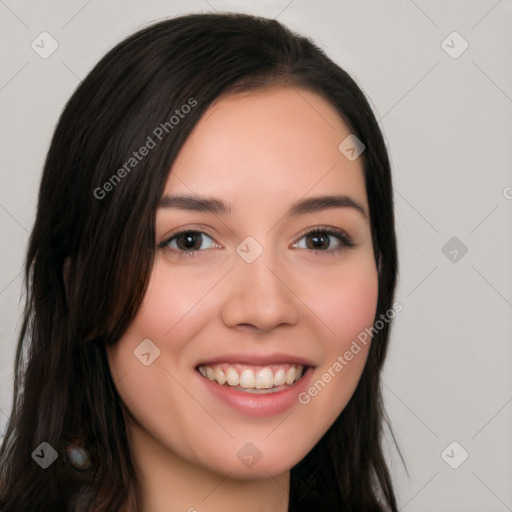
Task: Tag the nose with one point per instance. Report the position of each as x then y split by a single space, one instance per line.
259 295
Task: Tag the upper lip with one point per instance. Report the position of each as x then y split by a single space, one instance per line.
257 359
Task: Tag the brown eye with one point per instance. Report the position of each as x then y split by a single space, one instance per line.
188 241
325 240
317 241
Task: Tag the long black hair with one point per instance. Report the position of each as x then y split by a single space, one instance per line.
85 277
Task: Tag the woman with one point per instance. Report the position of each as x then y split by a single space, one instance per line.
210 284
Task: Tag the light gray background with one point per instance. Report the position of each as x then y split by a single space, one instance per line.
448 124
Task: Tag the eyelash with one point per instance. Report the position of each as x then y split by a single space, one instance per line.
339 234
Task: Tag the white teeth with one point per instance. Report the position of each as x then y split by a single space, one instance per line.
263 379
247 379
219 376
232 377
290 375
279 377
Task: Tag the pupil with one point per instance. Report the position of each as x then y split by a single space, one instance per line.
318 241
191 241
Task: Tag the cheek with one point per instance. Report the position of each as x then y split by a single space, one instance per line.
346 302
164 313
170 312
353 309
346 307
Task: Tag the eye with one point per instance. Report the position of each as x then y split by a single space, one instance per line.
324 239
191 242
187 243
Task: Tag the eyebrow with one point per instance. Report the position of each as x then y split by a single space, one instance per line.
301 207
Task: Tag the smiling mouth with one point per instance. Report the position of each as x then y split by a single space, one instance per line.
252 378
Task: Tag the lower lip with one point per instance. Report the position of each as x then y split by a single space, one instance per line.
259 405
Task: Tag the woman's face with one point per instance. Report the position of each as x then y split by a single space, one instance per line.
264 268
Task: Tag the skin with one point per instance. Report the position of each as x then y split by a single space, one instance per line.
260 151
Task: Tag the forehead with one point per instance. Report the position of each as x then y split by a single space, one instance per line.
268 143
